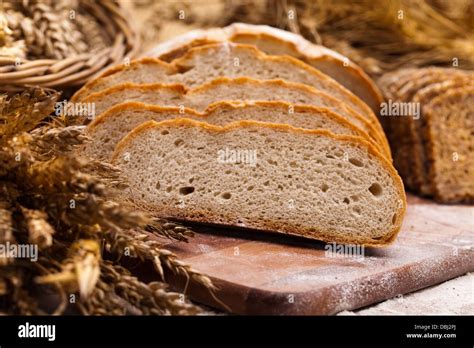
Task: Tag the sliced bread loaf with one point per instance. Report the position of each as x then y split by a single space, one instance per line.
391 83
424 96
403 134
111 126
221 89
408 135
388 82
450 125
205 63
264 176
278 42
417 178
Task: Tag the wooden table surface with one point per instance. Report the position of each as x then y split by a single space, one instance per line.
263 273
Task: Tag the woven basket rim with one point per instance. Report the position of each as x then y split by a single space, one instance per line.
17 74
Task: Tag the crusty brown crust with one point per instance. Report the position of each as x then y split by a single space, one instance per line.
215 107
174 67
84 91
389 237
178 88
300 48
132 105
283 59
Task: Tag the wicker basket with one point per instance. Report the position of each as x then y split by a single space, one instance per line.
16 74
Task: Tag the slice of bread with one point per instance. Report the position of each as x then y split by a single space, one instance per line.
311 183
407 134
279 42
403 133
424 96
388 82
205 63
433 153
450 125
244 89
111 126
391 83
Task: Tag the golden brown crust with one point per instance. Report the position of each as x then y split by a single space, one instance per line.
181 89
176 64
84 91
358 141
380 136
282 59
175 87
136 62
215 107
130 105
300 47
351 67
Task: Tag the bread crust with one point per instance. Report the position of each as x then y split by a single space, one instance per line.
388 238
176 66
299 46
215 107
183 90
84 91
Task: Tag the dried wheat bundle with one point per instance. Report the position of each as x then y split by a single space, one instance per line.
161 20
45 193
46 28
379 36
62 43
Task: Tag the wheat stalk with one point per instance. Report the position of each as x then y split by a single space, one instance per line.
39 230
47 192
51 29
401 33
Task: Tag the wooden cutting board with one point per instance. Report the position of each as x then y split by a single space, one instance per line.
261 273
